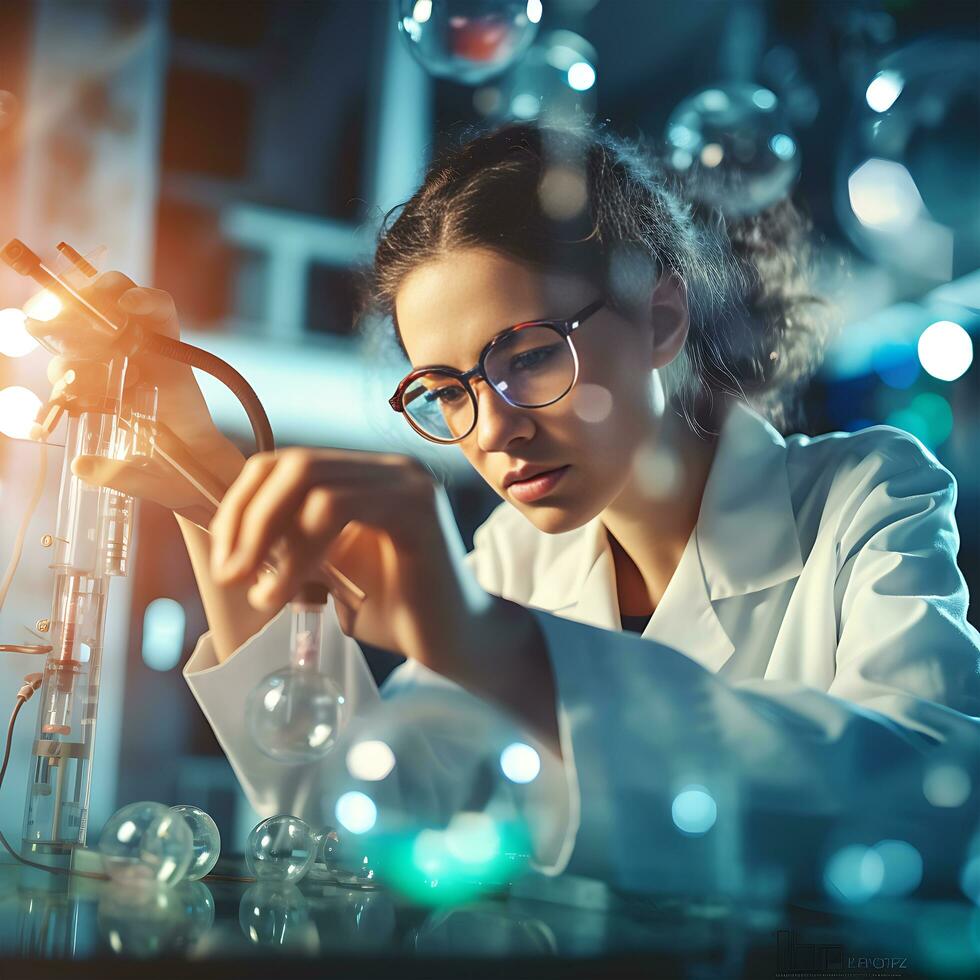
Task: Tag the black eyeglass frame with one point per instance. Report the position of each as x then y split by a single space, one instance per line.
565 328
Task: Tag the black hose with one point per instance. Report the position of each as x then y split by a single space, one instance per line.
177 350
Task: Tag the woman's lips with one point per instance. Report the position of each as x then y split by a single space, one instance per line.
536 487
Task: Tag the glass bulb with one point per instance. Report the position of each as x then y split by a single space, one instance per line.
207 840
468 41
146 843
281 848
737 145
294 715
18 410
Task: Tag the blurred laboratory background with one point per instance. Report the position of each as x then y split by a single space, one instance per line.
241 154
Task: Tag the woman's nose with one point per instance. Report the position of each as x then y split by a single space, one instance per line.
499 424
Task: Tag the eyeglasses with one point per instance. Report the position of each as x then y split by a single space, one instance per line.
529 365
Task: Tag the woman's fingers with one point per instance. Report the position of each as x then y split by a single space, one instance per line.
227 521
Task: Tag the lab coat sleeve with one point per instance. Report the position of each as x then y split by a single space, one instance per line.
795 771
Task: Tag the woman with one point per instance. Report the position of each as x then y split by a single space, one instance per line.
801 614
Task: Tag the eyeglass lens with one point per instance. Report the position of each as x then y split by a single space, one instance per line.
529 368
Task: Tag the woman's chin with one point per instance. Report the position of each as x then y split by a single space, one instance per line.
555 519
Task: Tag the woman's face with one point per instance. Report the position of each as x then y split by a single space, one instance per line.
449 308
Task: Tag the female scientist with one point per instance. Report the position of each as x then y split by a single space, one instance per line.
666 576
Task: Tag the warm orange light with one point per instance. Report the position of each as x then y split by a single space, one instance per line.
43 306
18 409
15 341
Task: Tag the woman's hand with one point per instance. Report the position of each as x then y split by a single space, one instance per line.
181 405
379 518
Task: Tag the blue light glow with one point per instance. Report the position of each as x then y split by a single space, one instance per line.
581 76
163 634
357 812
694 810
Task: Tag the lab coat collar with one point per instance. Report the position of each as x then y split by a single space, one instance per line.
745 540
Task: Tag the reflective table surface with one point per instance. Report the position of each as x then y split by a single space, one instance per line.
551 927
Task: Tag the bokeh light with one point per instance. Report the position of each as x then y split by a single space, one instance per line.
357 812
15 341
945 350
370 760
163 634
928 417
901 867
18 410
854 874
884 89
946 785
520 762
694 811
43 306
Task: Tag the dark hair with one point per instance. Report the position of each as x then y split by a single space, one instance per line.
588 202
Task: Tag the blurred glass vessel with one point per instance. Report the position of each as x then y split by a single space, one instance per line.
735 146
468 41
907 191
294 715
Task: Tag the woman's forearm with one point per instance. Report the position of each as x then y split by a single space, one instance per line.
507 662
231 619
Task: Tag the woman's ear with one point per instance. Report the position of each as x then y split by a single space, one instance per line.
669 318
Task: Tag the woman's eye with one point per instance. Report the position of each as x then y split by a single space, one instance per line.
445 396
530 359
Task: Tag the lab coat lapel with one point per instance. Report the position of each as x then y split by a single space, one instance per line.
581 584
746 531
745 540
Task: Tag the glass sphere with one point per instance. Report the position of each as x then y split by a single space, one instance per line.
278 915
207 840
294 716
281 848
906 188
468 41
556 80
147 842
736 146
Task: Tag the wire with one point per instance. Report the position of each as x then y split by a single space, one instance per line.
42 473
177 350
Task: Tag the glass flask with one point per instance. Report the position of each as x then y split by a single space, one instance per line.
294 715
146 843
207 840
281 848
736 145
468 41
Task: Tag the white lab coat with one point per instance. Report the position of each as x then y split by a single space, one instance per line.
809 660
